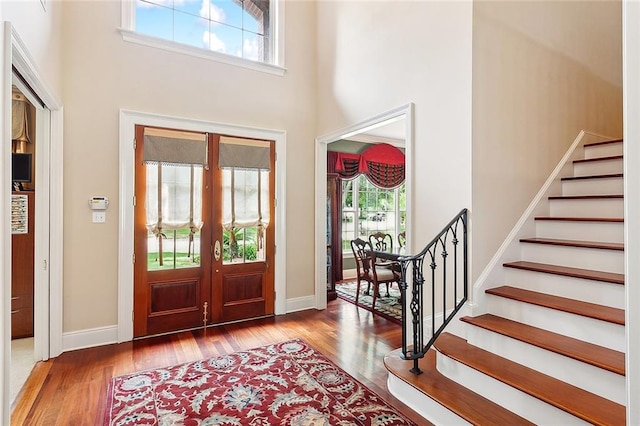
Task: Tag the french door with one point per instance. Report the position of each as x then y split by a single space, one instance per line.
204 230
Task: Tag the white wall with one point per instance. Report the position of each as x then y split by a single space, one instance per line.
375 56
40 29
632 204
103 74
542 71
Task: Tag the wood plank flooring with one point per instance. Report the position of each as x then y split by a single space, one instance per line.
72 388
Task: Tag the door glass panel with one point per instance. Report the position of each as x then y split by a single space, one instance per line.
245 214
177 248
173 216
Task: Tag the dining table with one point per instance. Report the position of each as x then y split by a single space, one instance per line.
393 255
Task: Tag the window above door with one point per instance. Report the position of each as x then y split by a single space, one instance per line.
245 33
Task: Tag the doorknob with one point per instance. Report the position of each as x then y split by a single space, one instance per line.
216 250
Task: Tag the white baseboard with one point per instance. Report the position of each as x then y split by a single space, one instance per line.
348 274
89 338
510 249
100 336
301 303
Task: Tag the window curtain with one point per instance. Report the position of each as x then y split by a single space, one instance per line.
383 164
174 163
334 223
245 164
19 122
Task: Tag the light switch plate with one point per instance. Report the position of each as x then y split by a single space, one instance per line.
99 217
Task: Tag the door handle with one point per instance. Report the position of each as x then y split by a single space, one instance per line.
216 250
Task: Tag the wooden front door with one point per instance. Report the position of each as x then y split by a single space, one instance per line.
244 182
204 234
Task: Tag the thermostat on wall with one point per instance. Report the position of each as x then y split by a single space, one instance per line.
98 203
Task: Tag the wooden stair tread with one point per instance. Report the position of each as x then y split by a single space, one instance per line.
585 197
609 277
589 160
607 176
595 355
573 400
603 142
564 304
574 243
581 219
467 404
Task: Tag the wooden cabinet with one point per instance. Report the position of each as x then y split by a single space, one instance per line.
22 259
334 264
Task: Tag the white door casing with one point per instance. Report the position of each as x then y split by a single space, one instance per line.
128 121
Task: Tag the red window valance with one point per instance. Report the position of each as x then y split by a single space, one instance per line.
382 163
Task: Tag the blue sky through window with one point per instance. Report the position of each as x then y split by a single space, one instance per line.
218 25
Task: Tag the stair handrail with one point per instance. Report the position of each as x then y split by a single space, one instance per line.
445 239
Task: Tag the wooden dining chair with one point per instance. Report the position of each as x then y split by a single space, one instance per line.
369 271
402 239
381 241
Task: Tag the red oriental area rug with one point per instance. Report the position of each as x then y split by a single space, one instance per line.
287 383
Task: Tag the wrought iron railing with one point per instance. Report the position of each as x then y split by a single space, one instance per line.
449 287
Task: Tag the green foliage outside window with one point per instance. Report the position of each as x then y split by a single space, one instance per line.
175 255
240 243
377 209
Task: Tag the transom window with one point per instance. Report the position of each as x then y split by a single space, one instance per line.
235 29
367 209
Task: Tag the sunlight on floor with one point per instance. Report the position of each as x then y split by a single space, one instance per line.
22 362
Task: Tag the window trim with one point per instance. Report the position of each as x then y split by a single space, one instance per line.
276 15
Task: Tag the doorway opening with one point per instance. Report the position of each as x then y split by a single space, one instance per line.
393 127
48 219
23 149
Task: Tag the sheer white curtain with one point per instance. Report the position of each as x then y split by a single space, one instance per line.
174 197
245 165
246 198
175 162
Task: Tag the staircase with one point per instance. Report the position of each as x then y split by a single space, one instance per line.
550 347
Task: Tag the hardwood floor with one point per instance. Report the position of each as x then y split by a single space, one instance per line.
72 388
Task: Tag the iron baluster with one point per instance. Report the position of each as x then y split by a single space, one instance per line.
445 242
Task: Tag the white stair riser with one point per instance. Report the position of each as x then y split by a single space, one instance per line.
575 257
600 186
422 404
518 402
585 376
606 150
455 327
603 167
597 292
588 329
610 232
599 207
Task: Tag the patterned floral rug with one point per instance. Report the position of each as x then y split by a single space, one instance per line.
287 383
388 307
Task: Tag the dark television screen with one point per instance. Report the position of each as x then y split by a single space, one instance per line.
21 166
